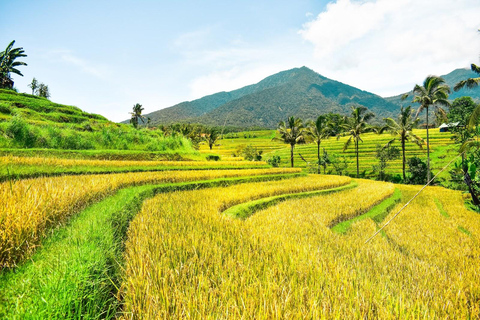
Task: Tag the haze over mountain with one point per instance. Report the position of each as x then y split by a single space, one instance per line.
300 92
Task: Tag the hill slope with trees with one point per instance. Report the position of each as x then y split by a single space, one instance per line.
300 92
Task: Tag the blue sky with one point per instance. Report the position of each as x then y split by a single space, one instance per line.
105 56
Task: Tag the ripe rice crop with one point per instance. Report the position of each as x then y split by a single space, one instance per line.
185 260
28 208
68 163
194 262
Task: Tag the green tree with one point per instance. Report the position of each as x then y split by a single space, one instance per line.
136 115
292 132
318 130
355 126
33 85
339 163
383 155
9 65
461 109
434 92
404 129
43 91
211 136
324 161
418 171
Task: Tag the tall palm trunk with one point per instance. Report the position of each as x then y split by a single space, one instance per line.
428 152
291 154
403 164
318 156
356 149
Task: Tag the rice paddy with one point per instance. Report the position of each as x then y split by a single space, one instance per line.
229 239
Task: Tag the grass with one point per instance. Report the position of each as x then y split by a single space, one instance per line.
31 207
377 213
76 272
28 121
245 210
441 209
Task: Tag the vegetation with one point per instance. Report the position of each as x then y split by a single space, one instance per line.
211 136
469 83
136 115
404 129
292 133
31 207
318 131
434 92
355 127
384 154
14 167
87 255
8 64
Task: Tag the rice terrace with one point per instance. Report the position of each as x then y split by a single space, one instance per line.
266 194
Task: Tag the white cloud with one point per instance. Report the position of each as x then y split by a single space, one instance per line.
230 79
386 46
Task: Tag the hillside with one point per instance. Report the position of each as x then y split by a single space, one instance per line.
451 79
28 122
40 110
300 92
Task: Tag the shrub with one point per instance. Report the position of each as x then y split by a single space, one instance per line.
211 157
274 161
418 171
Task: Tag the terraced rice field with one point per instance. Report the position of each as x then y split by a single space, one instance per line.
441 147
239 243
31 167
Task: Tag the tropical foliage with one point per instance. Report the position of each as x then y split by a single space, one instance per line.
8 64
355 126
292 133
136 115
433 93
404 129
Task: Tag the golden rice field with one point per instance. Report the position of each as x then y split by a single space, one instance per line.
69 163
185 259
28 208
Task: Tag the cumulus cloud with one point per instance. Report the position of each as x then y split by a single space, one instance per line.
384 46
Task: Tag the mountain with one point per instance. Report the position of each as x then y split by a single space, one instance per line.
300 92
451 79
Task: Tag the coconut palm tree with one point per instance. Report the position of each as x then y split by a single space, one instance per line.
136 115
471 82
8 64
403 128
434 92
355 126
211 136
292 132
318 130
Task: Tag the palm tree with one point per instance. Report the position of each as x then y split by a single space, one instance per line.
8 64
292 133
471 82
434 92
356 126
403 128
318 130
34 85
136 115
211 136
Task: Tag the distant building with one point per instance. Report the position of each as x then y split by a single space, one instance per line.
445 127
